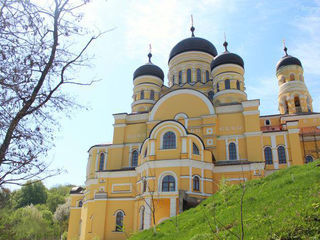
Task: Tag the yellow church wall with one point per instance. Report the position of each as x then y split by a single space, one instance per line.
74 223
135 133
193 106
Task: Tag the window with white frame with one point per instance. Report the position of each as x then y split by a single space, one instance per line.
168 184
169 140
282 155
119 221
134 158
196 183
232 151
195 149
268 155
101 162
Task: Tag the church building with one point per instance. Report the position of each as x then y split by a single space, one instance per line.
182 139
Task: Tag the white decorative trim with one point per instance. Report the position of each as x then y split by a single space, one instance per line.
170 163
305 116
138 117
229 108
251 112
142 101
227 65
120 116
209 142
148 76
236 179
293 131
239 168
251 103
184 116
251 134
229 91
162 175
178 92
116 174
121 184
119 125
173 207
209 131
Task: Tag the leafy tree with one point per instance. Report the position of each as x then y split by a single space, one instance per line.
32 193
4 197
37 58
54 199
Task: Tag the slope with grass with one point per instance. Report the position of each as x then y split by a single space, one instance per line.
284 205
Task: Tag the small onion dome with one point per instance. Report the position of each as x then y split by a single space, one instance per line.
226 58
288 60
149 69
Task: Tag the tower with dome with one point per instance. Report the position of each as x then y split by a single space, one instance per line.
182 139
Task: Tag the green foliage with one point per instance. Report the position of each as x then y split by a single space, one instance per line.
44 220
32 193
282 206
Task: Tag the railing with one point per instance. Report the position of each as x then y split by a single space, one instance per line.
271 128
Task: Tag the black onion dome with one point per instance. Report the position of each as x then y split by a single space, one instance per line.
149 69
227 58
193 44
288 60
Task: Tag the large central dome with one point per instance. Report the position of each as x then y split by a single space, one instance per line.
193 44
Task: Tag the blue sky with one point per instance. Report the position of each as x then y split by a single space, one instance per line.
254 29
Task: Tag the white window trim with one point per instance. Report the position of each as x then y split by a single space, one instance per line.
161 140
162 175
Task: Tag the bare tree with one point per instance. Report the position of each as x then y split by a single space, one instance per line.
37 58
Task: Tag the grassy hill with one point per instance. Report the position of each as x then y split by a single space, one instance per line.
284 205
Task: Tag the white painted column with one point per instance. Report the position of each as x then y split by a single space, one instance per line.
173 207
152 152
184 145
286 147
274 152
227 149
190 179
202 177
237 145
147 220
130 155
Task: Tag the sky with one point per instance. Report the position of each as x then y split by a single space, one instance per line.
254 30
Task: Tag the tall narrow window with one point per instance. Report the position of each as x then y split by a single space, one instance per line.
297 104
198 75
180 77
168 184
232 151
238 85
145 152
268 155
169 140
134 159
309 159
207 76
142 95
144 187
196 183
218 87
227 84
119 221
101 162
210 95
80 203
189 75
282 155
152 95
173 79
195 149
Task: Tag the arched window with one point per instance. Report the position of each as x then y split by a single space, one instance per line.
232 151
173 79
218 89
152 95
142 95
196 183
101 162
297 104
207 76
198 75
238 85
142 218
169 141
195 149
80 203
292 77
210 95
189 75
267 122
309 159
168 184
282 155
180 77
134 159
227 84
286 107
268 155
119 221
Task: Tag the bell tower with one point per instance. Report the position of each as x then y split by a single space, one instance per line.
294 97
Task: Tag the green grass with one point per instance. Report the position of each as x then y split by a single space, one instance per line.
284 205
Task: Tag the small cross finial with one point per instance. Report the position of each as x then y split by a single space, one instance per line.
192 27
285 47
225 44
150 55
